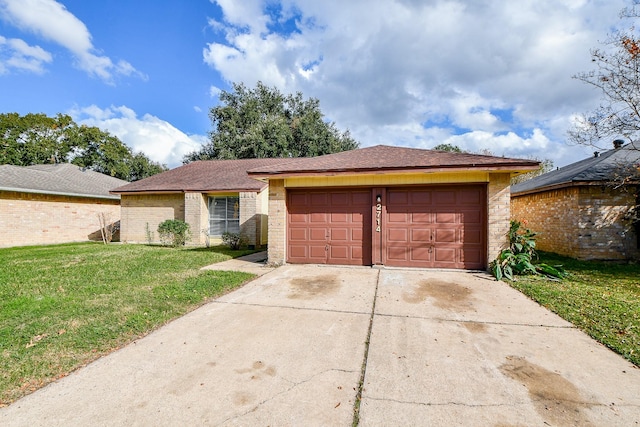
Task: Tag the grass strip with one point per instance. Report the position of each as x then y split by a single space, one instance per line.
600 298
63 306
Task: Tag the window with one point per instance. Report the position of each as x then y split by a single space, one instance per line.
224 215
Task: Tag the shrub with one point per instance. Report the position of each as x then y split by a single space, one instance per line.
174 232
517 259
233 240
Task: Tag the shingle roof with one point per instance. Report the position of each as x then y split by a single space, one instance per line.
61 179
203 176
604 167
388 158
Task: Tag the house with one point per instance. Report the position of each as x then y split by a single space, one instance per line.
390 206
57 203
582 210
212 196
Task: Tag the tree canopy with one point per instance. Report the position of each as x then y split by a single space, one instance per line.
262 123
617 77
38 139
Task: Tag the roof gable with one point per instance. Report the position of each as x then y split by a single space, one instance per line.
62 179
601 168
203 176
388 158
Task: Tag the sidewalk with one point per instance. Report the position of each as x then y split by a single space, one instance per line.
255 264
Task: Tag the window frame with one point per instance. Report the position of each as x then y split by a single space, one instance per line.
228 217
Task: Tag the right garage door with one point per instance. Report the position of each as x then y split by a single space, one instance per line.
435 227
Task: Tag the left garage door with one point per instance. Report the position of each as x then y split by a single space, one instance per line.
329 226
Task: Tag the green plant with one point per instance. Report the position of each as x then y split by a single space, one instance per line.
149 233
233 240
517 259
174 232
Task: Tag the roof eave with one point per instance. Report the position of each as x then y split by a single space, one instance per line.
566 184
513 168
58 193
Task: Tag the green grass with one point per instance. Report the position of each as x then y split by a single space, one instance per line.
63 306
602 299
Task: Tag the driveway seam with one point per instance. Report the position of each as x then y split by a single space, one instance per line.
289 307
441 319
356 403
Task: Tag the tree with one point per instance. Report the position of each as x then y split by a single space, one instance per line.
617 77
262 123
449 147
38 139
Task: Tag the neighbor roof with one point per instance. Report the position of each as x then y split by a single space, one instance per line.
202 176
387 158
594 170
60 179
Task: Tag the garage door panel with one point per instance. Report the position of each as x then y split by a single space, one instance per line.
298 218
401 218
397 253
447 255
298 234
338 234
421 235
361 198
398 198
446 218
422 217
317 234
444 197
446 235
471 236
339 217
421 255
470 217
398 235
318 199
420 198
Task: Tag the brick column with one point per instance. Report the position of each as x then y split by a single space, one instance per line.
196 215
499 213
248 218
277 222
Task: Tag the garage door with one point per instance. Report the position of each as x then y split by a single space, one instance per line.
329 227
435 227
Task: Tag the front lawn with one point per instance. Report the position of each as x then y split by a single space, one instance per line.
602 299
63 306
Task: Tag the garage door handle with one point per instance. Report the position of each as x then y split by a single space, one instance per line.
326 248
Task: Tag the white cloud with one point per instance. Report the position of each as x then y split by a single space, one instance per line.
156 138
17 54
52 21
379 66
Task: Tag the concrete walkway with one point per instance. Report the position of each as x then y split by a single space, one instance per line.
291 347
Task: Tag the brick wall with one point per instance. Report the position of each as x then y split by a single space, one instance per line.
553 215
277 222
33 219
581 222
499 211
248 218
140 211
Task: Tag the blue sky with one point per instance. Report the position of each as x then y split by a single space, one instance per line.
492 75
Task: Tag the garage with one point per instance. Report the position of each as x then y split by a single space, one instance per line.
329 227
391 206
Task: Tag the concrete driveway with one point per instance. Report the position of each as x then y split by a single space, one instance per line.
294 346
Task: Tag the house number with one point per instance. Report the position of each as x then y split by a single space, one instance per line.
378 216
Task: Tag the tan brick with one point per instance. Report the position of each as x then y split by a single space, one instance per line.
33 219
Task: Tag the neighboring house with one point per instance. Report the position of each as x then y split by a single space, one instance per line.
58 203
390 206
582 210
213 197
